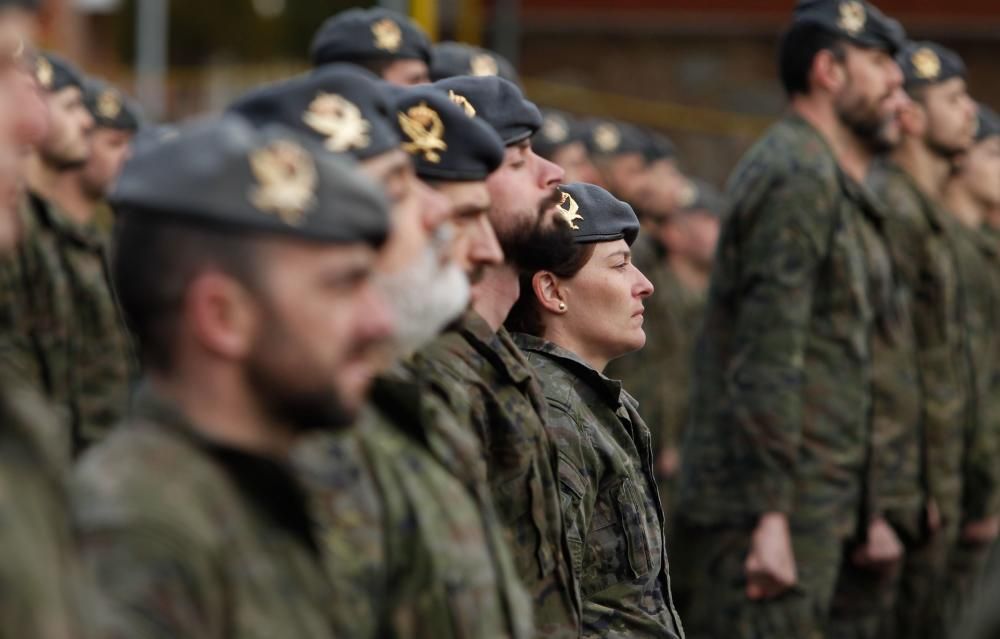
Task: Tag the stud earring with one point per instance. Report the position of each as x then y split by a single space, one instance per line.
562 306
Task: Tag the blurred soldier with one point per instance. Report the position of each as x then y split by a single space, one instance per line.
39 574
247 278
415 547
774 460
620 152
19 20
450 59
388 44
562 140
918 399
582 308
658 375
970 195
486 380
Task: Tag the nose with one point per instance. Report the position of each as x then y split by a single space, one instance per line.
376 321
550 174
644 288
485 249
895 76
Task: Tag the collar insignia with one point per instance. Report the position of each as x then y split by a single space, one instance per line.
463 102
287 180
425 129
44 72
388 35
339 120
569 210
109 104
926 63
852 17
607 137
483 64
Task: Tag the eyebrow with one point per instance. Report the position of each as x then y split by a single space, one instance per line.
622 253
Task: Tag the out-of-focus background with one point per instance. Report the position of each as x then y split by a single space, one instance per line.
702 71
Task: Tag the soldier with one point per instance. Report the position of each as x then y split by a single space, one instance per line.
388 44
658 375
450 59
247 279
620 151
562 140
485 379
582 308
918 400
450 573
969 196
774 459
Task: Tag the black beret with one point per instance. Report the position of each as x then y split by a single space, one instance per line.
658 147
558 130
857 21
925 63
346 108
699 196
594 215
497 101
988 123
152 135
357 35
28 5
55 73
449 59
611 138
447 141
224 172
109 107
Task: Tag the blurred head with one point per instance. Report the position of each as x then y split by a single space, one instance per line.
401 72
109 149
575 162
66 144
978 170
941 112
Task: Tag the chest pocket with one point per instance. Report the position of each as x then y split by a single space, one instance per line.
618 544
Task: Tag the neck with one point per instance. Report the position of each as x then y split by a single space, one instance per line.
42 178
929 170
554 333
225 413
852 155
691 276
963 206
495 294
72 199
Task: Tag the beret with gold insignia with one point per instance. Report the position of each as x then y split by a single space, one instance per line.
559 129
856 21
701 197
611 138
449 59
446 142
345 108
55 73
226 173
358 35
658 147
109 107
497 101
925 63
594 215
988 123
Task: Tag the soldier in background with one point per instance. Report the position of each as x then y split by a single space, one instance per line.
659 374
247 278
620 151
562 140
775 456
450 59
388 44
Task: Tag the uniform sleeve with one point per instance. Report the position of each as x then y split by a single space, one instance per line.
17 353
783 244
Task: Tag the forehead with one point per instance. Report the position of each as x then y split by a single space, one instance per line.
290 254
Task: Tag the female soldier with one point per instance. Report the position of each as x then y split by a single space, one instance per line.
582 308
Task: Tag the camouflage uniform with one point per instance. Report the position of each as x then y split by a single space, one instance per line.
39 575
614 522
414 545
189 538
782 399
62 329
659 374
486 381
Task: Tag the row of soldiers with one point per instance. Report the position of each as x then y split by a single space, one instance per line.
366 385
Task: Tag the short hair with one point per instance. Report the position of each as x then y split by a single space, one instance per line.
154 263
377 66
526 314
797 51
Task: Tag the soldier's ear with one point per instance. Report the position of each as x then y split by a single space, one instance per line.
549 292
829 71
220 316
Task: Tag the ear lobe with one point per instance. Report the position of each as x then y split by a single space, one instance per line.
549 292
220 315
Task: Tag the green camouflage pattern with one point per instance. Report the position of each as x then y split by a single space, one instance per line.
413 551
614 521
187 538
62 329
486 381
40 577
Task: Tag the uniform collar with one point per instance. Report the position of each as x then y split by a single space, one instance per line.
611 388
266 483
497 346
52 216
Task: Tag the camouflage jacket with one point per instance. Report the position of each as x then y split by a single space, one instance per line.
614 522
62 328
189 538
486 381
782 397
40 576
412 550
924 262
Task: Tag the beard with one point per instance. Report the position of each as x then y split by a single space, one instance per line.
531 246
425 298
872 128
944 150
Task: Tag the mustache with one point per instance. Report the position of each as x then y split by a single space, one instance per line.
552 199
